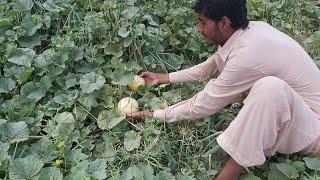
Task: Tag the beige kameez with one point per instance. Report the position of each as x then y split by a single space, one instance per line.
281 112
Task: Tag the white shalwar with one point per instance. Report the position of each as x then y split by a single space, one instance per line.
281 112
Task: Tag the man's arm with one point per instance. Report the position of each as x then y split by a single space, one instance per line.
202 71
233 81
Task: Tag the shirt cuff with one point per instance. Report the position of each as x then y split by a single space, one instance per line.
159 114
174 77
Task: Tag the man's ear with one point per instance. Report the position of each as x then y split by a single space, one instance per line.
224 23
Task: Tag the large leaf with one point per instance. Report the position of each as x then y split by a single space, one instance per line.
51 173
114 49
91 81
64 117
25 168
31 41
312 163
76 155
6 85
123 32
51 6
25 5
109 119
21 73
132 173
4 147
32 91
287 169
131 140
275 173
15 132
31 24
165 175
45 148
98 168
22 56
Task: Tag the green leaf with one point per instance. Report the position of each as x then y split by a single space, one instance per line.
287 169
130 12
25 5
132 172
4 147
114 49
6 85
21 73
68 99
31 24
109 119
22 56
106 150
51 6
51 173
25 168
312 163
116 177
181 177
32 91
76 155
45 148
15 132
65 117
77 175
91 81
30 41
88 101
275 173
147 171
300 166
123 32
122 77
98 168
165 175
249 176
131 140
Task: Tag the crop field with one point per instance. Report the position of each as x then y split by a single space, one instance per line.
65 64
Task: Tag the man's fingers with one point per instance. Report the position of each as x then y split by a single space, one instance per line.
144 74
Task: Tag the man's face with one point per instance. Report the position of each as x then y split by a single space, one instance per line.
210 30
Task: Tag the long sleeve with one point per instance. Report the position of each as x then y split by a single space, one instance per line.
233 81
202 71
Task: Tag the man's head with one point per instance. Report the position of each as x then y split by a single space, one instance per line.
218 19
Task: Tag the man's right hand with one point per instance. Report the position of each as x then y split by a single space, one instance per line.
155 78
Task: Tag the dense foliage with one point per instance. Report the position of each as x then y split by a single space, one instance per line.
64 65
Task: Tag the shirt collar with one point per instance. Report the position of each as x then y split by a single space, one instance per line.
226 49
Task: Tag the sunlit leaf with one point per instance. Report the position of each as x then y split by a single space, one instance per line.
6 85
287 169
312 163
91 81
98 168
109 119
165 175
25 5
31 24
4 147
51 173
131 140
15 132
123 32
25 168
22 56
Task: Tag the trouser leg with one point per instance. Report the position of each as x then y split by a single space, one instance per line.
274 118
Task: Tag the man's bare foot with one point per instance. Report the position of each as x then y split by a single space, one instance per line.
231 171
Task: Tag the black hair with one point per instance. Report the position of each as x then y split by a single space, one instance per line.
235 10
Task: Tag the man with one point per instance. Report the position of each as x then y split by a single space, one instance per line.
281 112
